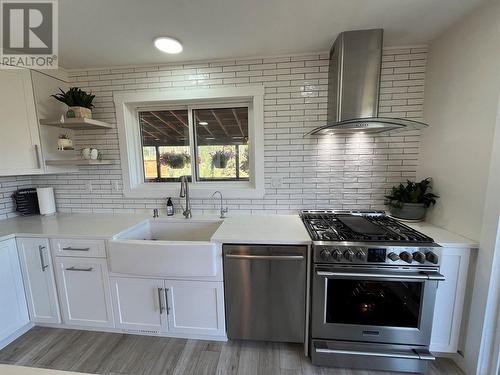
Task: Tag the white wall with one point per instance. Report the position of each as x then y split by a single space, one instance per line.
461 151
486 294
460 105
333 172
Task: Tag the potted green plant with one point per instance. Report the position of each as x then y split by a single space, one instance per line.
79 102
410 201
64 142
220 158
175 160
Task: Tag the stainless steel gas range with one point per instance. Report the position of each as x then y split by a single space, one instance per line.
374 284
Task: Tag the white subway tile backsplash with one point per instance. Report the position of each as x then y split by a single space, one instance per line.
332 172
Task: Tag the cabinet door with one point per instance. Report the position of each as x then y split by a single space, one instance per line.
38 276
450 299
139 304
84 293
20 140
195 307
13 310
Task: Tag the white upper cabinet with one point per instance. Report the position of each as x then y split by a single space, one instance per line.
13 311
38 276
20 140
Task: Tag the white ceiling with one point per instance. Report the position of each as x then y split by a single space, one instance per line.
98 33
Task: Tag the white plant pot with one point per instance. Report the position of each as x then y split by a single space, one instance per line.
79 112
64 144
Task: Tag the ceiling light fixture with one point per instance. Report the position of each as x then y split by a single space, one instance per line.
204 123
168 45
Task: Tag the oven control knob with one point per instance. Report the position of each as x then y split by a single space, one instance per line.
349 255
325 254
431 257
419 257
406 256
361 255
337 255
393 256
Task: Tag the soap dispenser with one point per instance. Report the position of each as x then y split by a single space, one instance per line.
170 207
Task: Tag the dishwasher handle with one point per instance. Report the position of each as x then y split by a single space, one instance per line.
264 257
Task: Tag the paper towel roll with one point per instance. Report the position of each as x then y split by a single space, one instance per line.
46 200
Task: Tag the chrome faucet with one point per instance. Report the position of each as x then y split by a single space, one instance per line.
223 211
186 211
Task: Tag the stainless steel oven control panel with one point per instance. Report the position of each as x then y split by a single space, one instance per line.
365 254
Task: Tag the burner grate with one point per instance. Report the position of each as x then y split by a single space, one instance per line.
379 228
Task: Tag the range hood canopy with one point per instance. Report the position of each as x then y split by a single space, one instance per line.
354 86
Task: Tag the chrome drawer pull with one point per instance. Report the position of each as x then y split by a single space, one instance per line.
76 248
79 269
166 300
37 156
412 355
266 257
42 261
160 302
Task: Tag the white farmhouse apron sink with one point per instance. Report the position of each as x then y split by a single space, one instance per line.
167 248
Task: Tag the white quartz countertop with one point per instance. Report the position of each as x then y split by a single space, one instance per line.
263 229
443 237
100 226
253 229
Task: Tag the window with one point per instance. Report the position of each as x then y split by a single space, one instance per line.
220 146
165 144
214 136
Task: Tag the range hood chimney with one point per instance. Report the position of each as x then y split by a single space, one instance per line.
354 85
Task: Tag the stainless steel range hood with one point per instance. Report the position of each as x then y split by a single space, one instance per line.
354 85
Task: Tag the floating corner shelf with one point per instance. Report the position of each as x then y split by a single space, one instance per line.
78 124
59 163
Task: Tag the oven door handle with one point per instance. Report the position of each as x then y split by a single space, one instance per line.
424 275
415 354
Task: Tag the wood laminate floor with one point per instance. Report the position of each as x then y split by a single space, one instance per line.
114 353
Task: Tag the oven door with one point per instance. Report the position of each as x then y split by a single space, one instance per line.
383 304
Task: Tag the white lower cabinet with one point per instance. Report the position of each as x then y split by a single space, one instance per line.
39 282
195 307
84 292
181 308
137 304
13 309
450 298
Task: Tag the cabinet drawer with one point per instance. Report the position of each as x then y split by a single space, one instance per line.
78 248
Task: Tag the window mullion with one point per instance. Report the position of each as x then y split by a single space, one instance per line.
192 145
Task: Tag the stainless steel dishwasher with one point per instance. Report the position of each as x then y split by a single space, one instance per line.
265 292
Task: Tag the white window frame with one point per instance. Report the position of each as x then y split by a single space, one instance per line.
127 106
